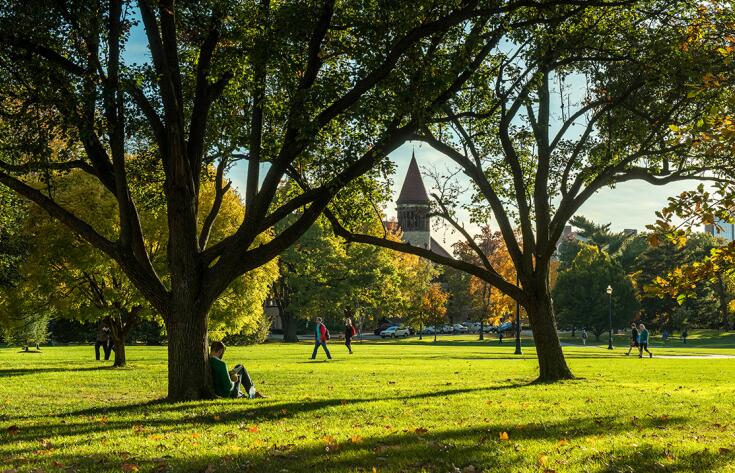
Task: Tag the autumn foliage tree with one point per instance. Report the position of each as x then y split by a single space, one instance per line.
434 306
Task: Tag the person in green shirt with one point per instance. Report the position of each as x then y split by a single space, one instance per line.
227 383
643 341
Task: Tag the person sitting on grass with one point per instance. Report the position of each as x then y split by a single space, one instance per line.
227 383
643 341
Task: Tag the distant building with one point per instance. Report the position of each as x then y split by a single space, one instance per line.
721 229
413 208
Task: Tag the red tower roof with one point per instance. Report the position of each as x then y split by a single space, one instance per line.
413 190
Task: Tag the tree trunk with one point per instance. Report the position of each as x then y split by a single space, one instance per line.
482 330
189 376
552 365
119 349
290 325
573 330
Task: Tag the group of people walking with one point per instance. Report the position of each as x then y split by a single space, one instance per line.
321 335
639 339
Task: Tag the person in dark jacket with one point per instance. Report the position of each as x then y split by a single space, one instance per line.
227 383
321 335
633 337
349 333
103 340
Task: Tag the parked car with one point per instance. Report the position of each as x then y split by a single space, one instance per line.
488 328
472 326
384 326
429 330
459 328
504 327
447 329
395 331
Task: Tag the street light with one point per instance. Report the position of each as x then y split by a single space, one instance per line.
518 323
609 337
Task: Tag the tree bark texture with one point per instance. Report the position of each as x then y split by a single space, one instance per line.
552 365
289 323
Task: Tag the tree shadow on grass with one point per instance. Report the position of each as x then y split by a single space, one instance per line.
414 449
32 371
200 413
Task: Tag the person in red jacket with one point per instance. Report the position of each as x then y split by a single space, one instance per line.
321 335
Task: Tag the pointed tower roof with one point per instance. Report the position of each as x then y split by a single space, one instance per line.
413 190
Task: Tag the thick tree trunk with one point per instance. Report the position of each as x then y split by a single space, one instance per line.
482 330
189 376
552 365
289 327
119 349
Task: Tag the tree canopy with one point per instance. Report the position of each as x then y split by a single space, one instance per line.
566 108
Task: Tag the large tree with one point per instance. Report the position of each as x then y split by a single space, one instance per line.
328 86
76 282
566 109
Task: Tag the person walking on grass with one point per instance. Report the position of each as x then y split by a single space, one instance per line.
103 340
584 337
684 335
321 335
643 341
227 383
349 333
634 339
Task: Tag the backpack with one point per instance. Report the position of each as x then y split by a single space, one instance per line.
354 332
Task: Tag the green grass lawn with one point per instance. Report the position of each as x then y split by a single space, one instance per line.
392 406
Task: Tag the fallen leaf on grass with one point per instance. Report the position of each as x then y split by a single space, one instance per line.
331 447
57 464
102 420
253 429
13 430
421 431
138 429
46 443
129 467
503 436
563 442
355 439
217 418
724 450
195 435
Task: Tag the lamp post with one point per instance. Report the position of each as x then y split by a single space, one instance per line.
518 324
609 334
